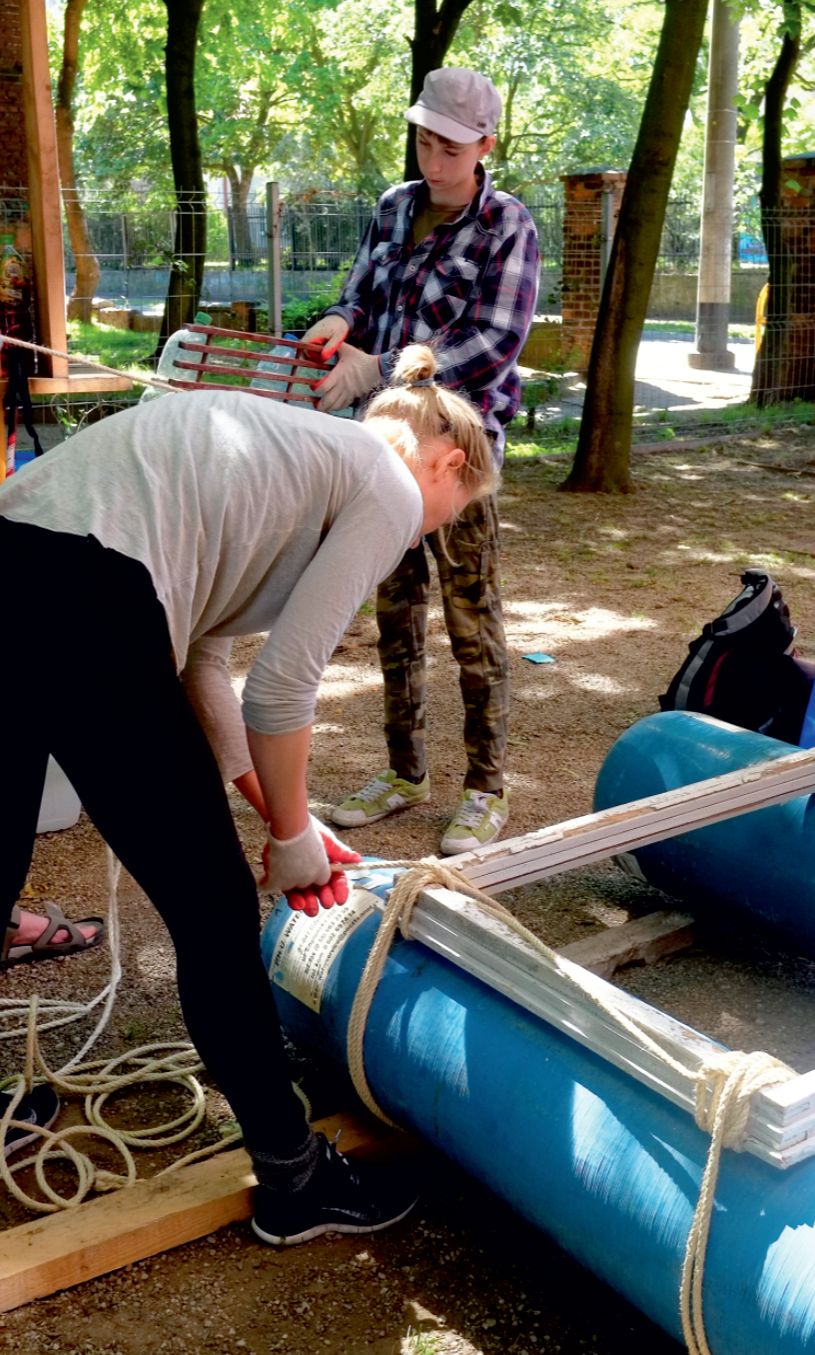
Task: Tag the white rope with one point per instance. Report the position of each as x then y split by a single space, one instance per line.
97 1081
724 1090
164 1061
724 1086
140 378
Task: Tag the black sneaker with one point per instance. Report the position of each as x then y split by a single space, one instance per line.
39 1107
340 1197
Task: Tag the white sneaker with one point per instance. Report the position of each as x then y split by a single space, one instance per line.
384 795
478 820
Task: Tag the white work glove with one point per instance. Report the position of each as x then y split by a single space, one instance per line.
295 862
321 892
324 338
355 374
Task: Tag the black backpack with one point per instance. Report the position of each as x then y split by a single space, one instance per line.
743 668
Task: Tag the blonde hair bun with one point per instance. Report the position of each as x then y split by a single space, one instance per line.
418 410
416 363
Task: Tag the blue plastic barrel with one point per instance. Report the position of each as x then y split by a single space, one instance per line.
606 1167
761 864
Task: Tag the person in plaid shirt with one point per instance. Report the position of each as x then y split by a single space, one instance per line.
451 261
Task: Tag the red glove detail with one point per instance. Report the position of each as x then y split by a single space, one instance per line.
311 900
336 891
337 851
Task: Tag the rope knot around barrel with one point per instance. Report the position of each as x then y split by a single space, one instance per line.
725 1086
402 899
425 873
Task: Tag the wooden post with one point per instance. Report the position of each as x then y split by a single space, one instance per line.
275 320
43 182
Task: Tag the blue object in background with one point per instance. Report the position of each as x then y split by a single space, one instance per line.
595 1159
761 864
752 251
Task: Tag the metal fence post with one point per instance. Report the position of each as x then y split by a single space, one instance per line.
607 224
273 257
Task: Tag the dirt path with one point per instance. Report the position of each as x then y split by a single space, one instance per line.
613 589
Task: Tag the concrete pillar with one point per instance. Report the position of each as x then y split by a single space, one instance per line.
591 207
716 247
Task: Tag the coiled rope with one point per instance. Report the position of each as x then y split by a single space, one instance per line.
97 1081
723 1086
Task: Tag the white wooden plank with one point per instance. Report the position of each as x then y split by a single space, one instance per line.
781 1127
623 828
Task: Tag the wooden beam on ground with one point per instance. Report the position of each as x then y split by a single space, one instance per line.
640 941
55 1251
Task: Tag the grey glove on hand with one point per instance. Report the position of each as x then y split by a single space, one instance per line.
355 374
296 862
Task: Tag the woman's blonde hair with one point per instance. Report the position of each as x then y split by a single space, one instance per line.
414 399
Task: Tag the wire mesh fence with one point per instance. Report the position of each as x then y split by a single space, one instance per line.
319 234
132 244
785 365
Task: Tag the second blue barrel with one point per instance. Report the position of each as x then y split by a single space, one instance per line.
760 864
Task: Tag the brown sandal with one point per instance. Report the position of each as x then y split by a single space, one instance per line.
43 948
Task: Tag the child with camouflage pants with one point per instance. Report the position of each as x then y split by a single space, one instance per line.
449 260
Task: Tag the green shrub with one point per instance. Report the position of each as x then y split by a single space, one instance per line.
303 311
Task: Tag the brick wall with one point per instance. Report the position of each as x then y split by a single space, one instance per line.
591 207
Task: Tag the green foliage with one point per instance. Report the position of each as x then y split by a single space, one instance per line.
313 93
556 437
537 392
572 75
302 312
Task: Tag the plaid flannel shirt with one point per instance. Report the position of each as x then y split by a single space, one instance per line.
469 289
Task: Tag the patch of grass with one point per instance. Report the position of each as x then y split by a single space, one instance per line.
137 1032
791 411
559 436
120 348
744 417
419 1343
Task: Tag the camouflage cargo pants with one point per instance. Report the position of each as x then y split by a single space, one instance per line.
472 609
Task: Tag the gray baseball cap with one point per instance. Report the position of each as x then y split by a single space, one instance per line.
458 104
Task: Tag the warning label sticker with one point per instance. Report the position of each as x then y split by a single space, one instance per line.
308 946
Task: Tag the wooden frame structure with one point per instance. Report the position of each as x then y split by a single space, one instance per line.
43 189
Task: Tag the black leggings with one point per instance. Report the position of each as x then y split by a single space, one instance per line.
87 641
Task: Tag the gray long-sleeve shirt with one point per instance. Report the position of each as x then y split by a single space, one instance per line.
250 515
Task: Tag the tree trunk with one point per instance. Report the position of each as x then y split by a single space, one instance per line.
80 302
602 460
189 251
241 247
433 32
776 374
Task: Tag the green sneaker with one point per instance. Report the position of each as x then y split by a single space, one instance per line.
382 796
477 821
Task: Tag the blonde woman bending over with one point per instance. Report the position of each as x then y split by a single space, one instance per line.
173 524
